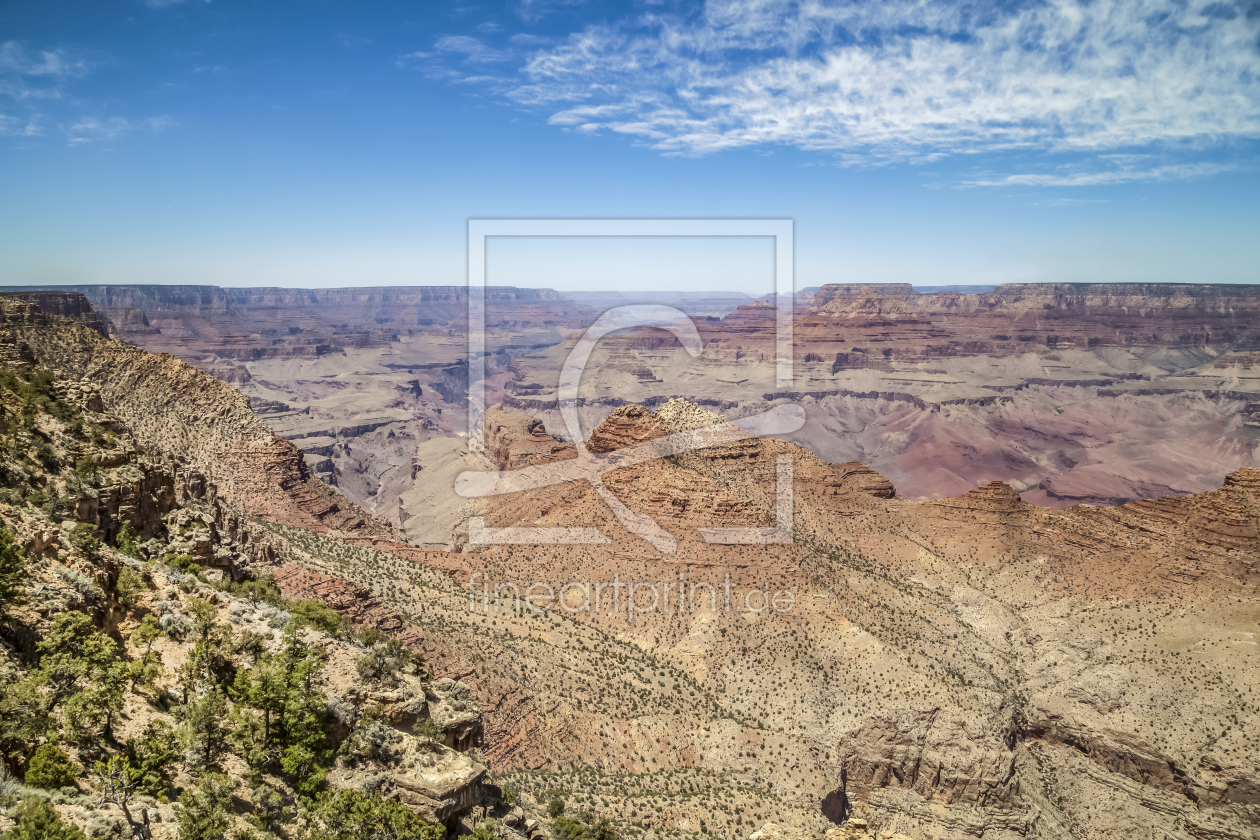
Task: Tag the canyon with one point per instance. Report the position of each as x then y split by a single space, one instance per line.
1071 393
946 663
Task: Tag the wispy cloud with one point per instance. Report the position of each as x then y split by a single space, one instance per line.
460 59
96 130
471 49
18 127
535 10
163 4
904 80
34 101
24 75
1166 172
33 81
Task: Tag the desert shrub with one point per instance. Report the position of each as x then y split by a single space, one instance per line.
50 768
565 828
129 588
83 537
37 820
88 471
311 613
262 590
105 827
81 583
176 625
369 636
183 562
8 787
352 815
343 711
12 569
277 618
127 542
46 457
371 740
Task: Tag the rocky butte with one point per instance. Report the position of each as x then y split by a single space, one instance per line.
969 665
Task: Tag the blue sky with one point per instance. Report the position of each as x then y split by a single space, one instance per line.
328 144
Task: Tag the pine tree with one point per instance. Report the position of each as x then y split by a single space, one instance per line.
203 732
146 669
129 587
269 813
203 812
79 670
307 756
12 570
127 542
264 687
152 752
83 537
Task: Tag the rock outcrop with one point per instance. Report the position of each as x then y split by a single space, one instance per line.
942 754
453 708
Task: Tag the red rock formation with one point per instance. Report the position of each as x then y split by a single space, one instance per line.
515 441
626 426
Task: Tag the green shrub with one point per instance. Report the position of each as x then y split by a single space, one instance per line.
127 542
47 457
12 569
154 752
352 815
50 768
315 614
83 537
183 562
564 828
37 820
204 811
88 471
130 587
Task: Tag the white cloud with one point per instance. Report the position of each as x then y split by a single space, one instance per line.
96 130
472 49
11 126
163 4
26 76
1166 172
906 80
39 81
535 10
